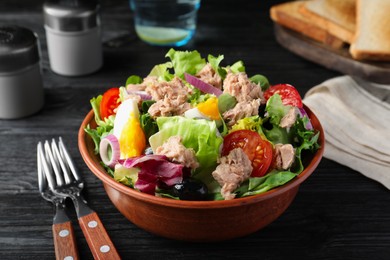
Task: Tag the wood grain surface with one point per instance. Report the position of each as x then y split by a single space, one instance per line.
65 244
337 214
98 239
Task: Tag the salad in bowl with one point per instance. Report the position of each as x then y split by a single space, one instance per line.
193 129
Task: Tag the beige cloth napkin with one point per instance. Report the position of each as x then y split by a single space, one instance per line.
355 115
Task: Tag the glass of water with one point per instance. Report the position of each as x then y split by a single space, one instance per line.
165 22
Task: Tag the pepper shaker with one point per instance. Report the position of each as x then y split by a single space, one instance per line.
73 36
21 87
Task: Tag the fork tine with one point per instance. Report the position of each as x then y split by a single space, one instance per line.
46 172
65 169
66 155
54 164
42 184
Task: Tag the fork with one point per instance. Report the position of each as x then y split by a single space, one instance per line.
63 233
67 182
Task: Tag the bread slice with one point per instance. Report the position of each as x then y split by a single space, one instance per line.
288 15
372 39
337 17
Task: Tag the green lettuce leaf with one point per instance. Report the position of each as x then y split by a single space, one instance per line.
104 127
272 180
276 111
99 133
198 134
261 80
134 79
226 102
148 124
161 71
197 97
252 123
108 169
275 108
127 176
278 135
95 104
237 67
186 61
95 137
304 140
122 94
214 62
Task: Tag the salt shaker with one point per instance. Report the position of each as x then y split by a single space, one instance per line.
73 36
21 87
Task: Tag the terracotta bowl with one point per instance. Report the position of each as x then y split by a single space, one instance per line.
200 221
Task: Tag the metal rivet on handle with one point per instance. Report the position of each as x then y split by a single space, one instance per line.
104 249
92 224
63 233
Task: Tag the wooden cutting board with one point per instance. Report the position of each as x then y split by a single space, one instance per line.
335 59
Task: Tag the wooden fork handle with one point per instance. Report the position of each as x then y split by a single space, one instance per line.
97 237
64 241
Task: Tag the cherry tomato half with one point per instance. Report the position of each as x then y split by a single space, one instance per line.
258 150
109 102
288 93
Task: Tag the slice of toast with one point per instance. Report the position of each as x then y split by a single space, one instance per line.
337 17
288 15
372 39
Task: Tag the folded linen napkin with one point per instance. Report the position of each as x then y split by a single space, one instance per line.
355 115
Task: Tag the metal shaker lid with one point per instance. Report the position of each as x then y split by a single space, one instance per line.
18 48
71 15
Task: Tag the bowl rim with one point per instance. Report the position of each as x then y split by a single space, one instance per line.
99 172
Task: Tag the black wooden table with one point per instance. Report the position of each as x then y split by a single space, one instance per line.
337 214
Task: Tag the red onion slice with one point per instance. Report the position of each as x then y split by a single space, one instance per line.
109 142
202 86
302 113
142 94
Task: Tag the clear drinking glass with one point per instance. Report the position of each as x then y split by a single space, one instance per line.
165 22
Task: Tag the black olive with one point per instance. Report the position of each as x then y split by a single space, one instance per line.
262 110
190 189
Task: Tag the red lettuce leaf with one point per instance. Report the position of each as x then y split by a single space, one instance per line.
154 168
